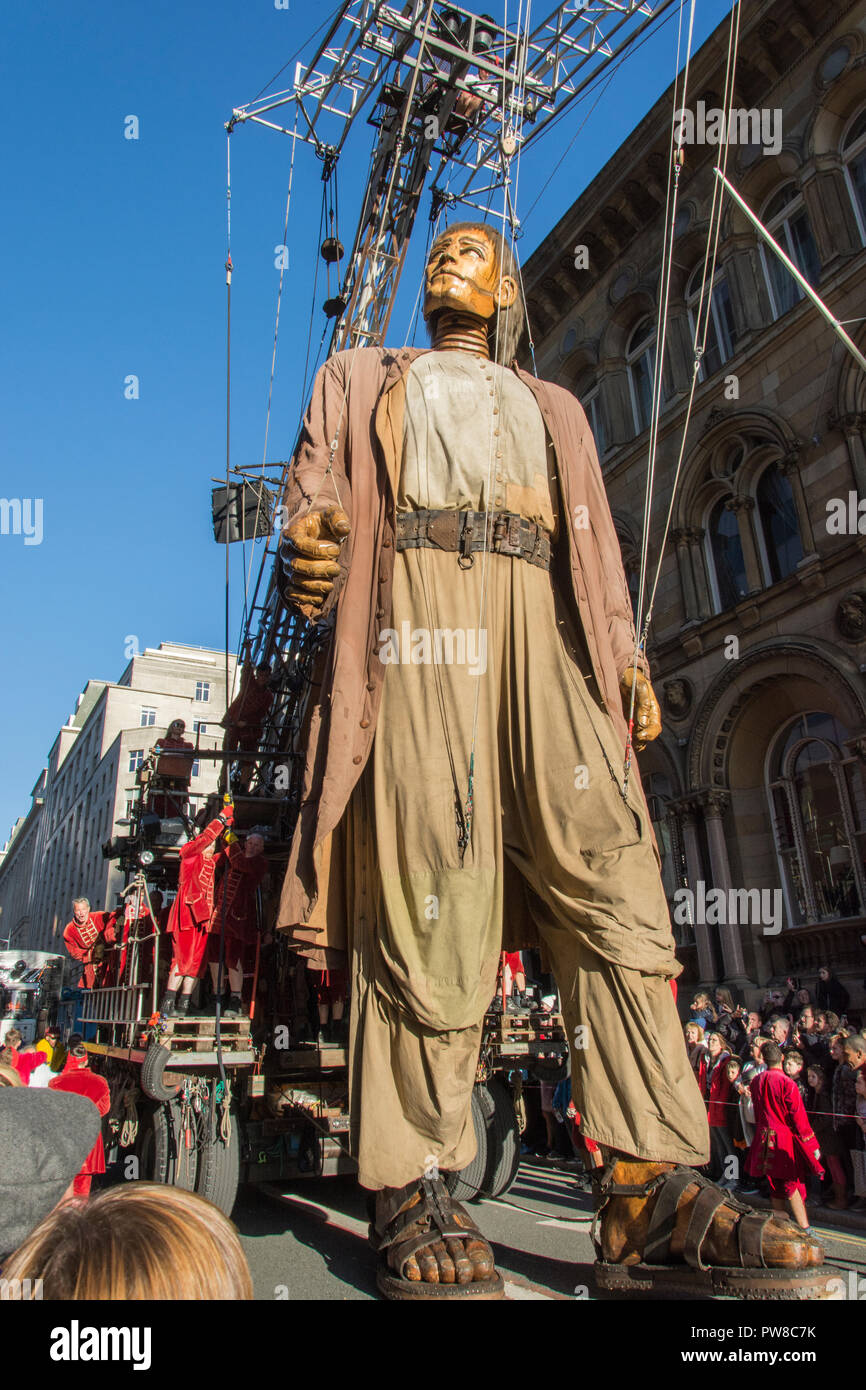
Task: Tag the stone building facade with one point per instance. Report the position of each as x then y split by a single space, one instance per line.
84 794
757 637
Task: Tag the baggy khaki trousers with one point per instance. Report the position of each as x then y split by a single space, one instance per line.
425 932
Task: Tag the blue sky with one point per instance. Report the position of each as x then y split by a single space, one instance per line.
113 254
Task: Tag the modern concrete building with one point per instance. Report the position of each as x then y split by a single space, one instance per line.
757 637
86 791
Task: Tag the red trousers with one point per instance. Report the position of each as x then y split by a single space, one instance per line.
189 950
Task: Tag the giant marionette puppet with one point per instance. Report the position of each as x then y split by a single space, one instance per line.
462 766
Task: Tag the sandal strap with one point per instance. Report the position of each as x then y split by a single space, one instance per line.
664 1215
750 1238
429 1220
706 1205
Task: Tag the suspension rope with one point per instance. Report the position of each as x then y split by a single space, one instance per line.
671 195
702 320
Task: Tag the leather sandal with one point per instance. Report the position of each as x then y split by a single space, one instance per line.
726 1247
407 1228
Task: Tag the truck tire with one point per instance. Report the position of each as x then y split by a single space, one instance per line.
219 1167
468 1183
152 1069
503 1140
163 1155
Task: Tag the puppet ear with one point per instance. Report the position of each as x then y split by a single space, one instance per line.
506 292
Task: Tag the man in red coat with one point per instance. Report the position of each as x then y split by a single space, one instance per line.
245 716
784 1149
86 938
236 903
80 1080
190 918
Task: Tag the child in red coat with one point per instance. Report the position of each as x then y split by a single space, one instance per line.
80 1080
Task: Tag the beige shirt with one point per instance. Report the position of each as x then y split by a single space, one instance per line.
473 437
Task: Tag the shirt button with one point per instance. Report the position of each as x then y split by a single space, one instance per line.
356 759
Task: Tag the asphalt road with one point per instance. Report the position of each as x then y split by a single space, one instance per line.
309 1240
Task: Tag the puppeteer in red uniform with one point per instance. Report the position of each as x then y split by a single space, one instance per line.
235 903
245 716
190 918
86 938
173 768
77 1078
784 1150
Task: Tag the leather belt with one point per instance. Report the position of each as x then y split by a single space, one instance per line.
506 533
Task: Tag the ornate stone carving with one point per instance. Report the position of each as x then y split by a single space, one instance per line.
678 697
851 617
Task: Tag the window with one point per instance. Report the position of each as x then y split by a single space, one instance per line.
786 219
816 797
202 691
195 768
592 404
854 156
726 548
198 727
721 334
136 758
778 524
148 717
640 358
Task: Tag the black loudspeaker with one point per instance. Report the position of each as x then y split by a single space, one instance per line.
245 510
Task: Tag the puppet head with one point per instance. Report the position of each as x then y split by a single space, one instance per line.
472 270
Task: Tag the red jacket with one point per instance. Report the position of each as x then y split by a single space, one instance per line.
784 1146
718 1110
250 705
193 905
80 941
237 888
81 1081
25 1063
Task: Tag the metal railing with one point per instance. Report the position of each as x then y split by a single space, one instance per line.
115 1011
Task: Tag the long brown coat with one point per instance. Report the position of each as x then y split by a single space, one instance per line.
358 399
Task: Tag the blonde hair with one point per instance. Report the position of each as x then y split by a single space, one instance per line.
9 1076
135 1241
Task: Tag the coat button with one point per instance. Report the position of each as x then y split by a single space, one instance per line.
370 685
365 723
357 759
380 612
386 544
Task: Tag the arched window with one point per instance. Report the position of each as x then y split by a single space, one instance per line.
780 532
721 333
785 217
593 405
854 156
726 550
816 800
641 357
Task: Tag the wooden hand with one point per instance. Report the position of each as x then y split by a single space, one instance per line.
309 550
647 714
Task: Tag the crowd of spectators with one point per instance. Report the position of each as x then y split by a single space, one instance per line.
134 1240
821 1053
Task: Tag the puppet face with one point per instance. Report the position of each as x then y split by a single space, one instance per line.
463 273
